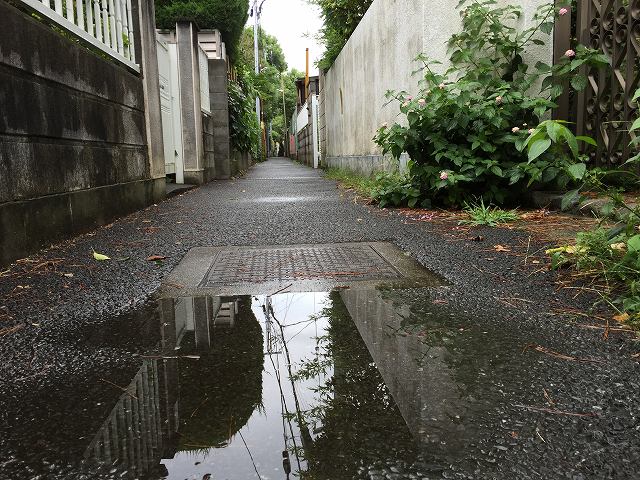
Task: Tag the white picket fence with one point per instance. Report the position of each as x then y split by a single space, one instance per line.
105 24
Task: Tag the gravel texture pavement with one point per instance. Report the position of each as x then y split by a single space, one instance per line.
63 314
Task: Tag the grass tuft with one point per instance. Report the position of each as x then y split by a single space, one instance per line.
489 215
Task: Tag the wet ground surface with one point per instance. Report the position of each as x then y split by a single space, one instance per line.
477 379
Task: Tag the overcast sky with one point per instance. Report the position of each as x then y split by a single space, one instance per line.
294 23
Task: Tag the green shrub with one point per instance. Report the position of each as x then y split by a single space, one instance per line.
466 130
396 190
341 17
244 131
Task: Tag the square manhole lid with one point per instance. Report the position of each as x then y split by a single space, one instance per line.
346 262
320 267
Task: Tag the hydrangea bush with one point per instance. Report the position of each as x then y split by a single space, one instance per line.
468 131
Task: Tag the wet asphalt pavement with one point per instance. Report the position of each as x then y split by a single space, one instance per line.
573 417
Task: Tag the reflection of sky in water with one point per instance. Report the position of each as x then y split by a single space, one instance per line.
263 433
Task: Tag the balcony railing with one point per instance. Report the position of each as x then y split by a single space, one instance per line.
104 24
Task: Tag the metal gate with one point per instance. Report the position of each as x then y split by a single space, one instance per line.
605 109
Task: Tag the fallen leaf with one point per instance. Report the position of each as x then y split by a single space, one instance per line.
501 248
70 275
620 247
623 317
100 257
477 238
535 261
155 258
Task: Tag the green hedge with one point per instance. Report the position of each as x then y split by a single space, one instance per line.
228 16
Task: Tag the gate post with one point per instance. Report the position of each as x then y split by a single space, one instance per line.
190 102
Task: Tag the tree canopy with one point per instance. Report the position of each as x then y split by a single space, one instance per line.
227 16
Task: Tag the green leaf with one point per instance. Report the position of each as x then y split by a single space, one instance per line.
547 27
633 244
553 129
577 170
588 140
579 82
635 125
496 170
100 257
571 141
569 199
636 95
538 147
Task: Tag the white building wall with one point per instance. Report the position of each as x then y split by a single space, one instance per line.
379 57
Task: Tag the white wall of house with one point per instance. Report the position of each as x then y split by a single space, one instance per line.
380 55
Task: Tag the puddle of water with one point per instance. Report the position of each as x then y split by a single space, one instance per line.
348 384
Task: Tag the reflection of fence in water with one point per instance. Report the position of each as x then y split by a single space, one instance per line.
132 436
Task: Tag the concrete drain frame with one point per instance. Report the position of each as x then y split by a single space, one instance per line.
246 270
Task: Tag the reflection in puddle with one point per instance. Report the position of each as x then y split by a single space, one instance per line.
347 384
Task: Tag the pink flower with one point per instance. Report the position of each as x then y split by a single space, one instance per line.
444 175
409 98
405 104
441 86
570 53
498 99
531 130
515 129
422 102
563 11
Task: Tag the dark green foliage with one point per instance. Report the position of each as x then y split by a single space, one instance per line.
228 16
467 129
244 130
341 17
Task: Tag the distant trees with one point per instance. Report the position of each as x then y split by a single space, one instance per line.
227 16
271 81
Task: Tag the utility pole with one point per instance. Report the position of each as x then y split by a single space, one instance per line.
284 114
256 54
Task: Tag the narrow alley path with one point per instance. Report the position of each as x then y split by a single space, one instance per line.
74 328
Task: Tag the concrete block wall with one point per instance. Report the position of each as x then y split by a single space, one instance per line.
73 138
208 140
379 57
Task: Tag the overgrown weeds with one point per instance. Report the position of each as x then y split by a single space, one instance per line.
359 183
489 215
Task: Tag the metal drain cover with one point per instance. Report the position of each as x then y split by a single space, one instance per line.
348 262
258 270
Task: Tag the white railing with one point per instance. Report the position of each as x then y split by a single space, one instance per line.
105 24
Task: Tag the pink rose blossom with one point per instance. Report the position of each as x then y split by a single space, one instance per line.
515 129
570 53
563 11
444 175
409 98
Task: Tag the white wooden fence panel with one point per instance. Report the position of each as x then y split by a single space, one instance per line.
105 24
